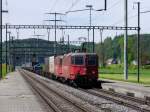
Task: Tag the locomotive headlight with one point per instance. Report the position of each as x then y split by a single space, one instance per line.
84 71
93 72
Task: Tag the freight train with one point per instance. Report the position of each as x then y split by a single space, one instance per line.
77 69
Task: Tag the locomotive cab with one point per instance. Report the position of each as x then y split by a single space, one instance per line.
84 67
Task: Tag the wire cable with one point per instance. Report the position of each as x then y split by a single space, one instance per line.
121 20
145 12
6 2
115 4
54 4
73 4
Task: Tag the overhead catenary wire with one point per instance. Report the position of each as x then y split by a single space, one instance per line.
6 3
143 12
121 20
130 17
54 4
73 4
113 5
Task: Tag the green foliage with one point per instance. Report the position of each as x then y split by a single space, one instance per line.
144 78
3 70
114 48
146 67
115 72
87 45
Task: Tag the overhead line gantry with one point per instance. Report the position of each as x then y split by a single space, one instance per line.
67 27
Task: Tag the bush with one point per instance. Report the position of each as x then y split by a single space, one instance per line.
3 70
146 66
133 67
115 66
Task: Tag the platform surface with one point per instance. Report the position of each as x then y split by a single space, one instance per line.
16 95
137 90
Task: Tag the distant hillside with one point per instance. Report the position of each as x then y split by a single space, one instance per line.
114 48
23 50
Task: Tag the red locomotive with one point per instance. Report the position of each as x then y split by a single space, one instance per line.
80 67
75 68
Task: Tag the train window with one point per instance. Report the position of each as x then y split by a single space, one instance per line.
92 60
77 60
72 60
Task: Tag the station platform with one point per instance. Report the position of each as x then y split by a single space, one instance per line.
17 96
127 88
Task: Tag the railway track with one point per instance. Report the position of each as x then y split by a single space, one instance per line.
134 99
131 102
128 101
56 101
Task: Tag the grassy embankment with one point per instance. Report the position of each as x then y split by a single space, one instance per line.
3 70
115 72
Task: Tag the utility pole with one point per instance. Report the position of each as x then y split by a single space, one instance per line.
68 44
17 31
1 39
37 45
88 39
138 42
55 23
38 36
102 47
8 46
1 47
93 39
126 41
13 52
90 13
55 36
48 32
90 21
105 5
6 49
61 48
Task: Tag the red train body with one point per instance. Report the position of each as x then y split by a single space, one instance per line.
76 64
76 67
79 67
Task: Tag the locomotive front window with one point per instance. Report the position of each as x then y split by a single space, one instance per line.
77 60
91 60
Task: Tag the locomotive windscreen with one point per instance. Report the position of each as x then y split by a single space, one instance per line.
77 60
91 60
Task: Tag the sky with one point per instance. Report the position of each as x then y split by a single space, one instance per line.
33 12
